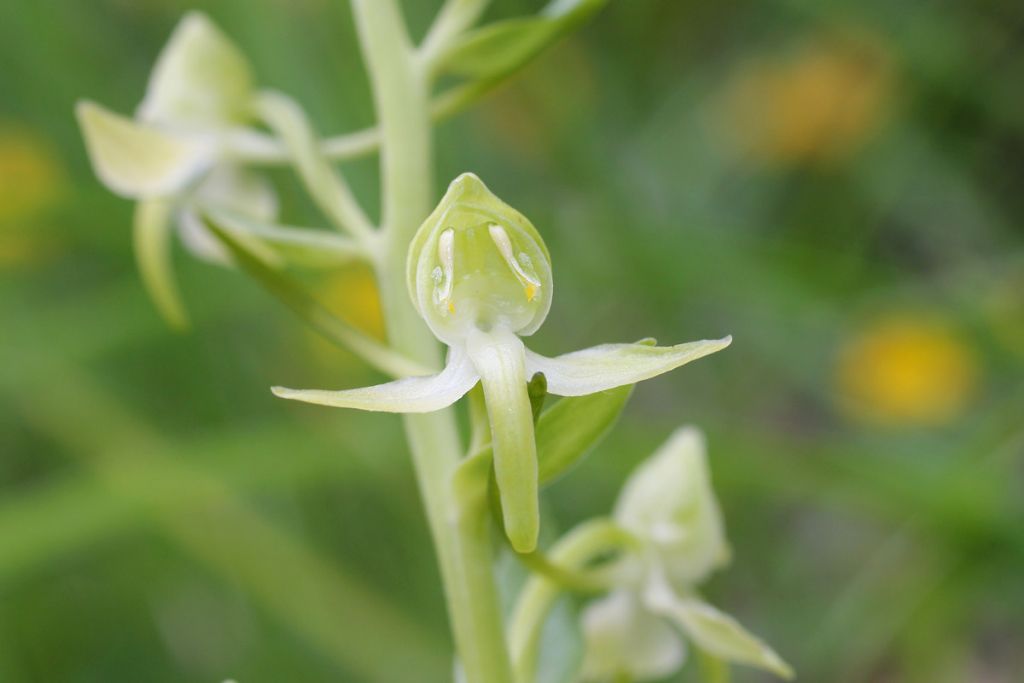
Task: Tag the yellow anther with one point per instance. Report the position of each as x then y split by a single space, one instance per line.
504 244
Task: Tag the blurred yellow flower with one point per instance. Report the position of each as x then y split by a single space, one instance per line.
30 182
352 295
906 371
30 176
816 106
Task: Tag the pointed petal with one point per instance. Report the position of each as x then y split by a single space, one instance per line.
499 359
201 79
138 160
623 639
668 502
613 365
713 630
409 395
153 256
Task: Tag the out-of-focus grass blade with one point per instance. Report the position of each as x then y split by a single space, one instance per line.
59 517
338 614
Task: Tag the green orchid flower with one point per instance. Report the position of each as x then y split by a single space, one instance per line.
175 155
637 631
480 276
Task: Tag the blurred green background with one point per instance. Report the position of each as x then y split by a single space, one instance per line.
837 184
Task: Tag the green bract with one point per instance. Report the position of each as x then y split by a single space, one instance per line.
669 506
480 276
173 156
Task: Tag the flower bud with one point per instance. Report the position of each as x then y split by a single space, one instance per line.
669 504
477 263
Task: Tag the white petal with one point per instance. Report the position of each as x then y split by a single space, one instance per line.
613 365
138 160
668 501
624 640
239 191
236 190
500 362
714 631
409 395
201 79
200 241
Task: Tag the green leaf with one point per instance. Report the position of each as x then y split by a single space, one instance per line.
499 49
566 431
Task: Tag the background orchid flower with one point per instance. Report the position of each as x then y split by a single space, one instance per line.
173 156
668 505
480 276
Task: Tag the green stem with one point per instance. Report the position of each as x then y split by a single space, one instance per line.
576 549
401 98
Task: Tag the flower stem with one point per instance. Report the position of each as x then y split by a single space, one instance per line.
402 101
574 550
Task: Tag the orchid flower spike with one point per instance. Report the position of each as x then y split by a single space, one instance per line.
174 155
636 632
480 276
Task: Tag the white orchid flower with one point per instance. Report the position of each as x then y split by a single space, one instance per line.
638 630
174 155
480 275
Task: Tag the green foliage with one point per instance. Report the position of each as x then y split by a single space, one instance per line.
501 48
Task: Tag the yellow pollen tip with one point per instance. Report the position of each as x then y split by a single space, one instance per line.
531 291
451 307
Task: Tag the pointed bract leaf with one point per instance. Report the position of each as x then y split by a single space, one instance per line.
201 79
138 160
409 395
499 361
614 365
152 243
499 49
309 310
716 632
307 247
537 390
570 428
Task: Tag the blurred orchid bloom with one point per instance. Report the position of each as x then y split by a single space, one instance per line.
174 155
638 630
480 276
